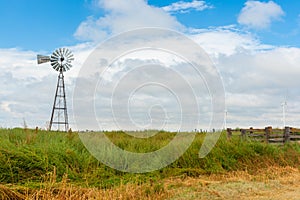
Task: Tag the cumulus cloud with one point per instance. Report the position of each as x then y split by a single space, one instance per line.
260 15
257 77
123 16
183 7
149 84
256 84
25 89
226 41
256 80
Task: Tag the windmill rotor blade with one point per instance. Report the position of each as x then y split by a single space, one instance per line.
55 54
55 66
60 51
68 66
63 51
68 53
54 61
58 68
71 58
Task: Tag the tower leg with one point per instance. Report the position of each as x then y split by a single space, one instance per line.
59 116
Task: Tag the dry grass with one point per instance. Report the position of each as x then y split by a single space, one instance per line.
8 193
272 183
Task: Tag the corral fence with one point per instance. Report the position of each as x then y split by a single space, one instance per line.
268 134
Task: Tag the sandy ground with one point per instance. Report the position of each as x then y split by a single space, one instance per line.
276 183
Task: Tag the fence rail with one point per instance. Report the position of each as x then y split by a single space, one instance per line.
268 134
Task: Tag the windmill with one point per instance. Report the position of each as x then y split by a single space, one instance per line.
60 61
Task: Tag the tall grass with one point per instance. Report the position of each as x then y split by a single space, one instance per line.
28 158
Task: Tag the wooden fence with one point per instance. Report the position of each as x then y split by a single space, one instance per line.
268 134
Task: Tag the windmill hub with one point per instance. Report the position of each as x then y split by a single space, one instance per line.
60 61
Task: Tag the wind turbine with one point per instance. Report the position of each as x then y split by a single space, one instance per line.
284 105
225 119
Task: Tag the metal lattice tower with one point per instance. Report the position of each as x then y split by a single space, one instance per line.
61 61
59 116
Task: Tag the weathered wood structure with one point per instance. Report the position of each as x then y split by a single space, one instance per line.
268 134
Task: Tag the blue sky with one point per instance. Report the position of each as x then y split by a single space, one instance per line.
36 25
33 25
254 45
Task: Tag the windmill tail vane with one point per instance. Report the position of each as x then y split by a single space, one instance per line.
42 59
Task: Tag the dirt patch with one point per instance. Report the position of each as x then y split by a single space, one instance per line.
274 183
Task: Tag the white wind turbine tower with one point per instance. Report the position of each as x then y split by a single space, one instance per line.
225 119
284 105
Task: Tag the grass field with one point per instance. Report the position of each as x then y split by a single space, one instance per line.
54 165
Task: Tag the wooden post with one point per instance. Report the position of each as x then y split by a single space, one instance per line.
268 131
286 134
251 130
229 133
243 133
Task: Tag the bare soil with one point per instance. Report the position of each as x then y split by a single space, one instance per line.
274 183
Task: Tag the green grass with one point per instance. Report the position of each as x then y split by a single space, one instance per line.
28 158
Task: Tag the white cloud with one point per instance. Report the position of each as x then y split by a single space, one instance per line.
24 87
184 7
259 15
258 82
123 16
255 79
256 76
226 41
5 106
142 66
